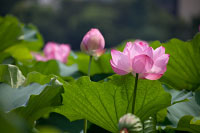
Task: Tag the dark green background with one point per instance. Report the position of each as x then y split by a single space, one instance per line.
118 20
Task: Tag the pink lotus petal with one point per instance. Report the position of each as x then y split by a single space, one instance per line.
158 52
64 51
153 76
55 51
120 61
93 42
142 64
84 47
143 44
38 57
158 70
99 52
128 48
50 49
141 75
149 52
159 66
135 50
138 48
116 70
162 60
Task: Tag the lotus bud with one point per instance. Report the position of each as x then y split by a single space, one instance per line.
93 43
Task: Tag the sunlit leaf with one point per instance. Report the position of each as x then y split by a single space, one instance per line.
19 52
11 75
187 123
10 31
31 38
36 77
54 67
183 69
11 98
33 100
38 105
104 103
13 124
183 112
179 110
178 96
17 39
98 66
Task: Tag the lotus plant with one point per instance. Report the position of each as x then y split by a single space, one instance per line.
93 44
141 60
55 51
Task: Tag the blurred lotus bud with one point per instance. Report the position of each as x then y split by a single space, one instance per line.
130 123
93 43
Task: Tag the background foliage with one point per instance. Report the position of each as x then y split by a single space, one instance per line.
44 96
66 21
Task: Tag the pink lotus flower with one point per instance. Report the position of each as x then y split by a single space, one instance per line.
54 51
138 57
93 43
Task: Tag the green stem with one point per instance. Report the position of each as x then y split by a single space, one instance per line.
85 126
89 67
134 93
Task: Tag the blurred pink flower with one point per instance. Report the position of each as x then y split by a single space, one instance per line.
55 51
39 57
138 57
93 43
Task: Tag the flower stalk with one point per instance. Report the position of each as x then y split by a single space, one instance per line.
89 65
85 126
89 68
134 93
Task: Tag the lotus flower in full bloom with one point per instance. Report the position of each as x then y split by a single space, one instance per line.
139 57
93 43
55 51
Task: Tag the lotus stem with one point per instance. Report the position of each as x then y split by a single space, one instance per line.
89 67
134 93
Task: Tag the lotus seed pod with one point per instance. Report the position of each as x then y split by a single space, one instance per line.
130 123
